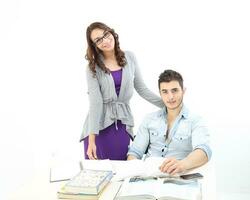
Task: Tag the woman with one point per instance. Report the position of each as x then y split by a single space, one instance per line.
111 76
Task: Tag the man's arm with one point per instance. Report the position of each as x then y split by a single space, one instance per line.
195 159
140 143
199 156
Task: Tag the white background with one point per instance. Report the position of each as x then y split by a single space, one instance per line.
43 99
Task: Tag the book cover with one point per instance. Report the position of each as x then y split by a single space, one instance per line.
88 182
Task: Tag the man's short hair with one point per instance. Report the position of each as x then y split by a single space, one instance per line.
170 75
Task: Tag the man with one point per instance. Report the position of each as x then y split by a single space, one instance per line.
173 132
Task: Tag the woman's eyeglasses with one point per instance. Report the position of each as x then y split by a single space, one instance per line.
98 41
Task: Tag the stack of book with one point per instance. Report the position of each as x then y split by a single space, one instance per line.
86 185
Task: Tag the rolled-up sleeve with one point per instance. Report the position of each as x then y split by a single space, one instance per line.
201 137
141 141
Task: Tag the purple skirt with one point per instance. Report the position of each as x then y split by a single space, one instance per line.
111 143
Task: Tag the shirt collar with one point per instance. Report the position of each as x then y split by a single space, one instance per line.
184 112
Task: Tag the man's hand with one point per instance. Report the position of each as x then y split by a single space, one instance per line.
173 166
195 159
130 157
91 151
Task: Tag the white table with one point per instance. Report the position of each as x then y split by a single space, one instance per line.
39 187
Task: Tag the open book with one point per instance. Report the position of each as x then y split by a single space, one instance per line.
125 169
148 167
158 189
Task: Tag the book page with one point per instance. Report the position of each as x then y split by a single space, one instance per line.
144 188
158 189
191 191
130 168
148 167
151 166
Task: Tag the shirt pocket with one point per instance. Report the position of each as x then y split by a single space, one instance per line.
183 139
183 131
153 136
181 136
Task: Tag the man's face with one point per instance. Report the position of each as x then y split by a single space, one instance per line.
171 94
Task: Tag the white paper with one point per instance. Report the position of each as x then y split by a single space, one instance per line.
105 165
63 168
130 168
148 167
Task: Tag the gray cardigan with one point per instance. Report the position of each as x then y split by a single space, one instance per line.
105 107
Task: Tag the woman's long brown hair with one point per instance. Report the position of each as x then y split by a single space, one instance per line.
93 53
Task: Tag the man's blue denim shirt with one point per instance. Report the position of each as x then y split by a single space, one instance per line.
189 132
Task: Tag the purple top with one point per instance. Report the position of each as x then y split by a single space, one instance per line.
117 76
112 142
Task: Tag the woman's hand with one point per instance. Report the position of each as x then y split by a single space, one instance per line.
91 152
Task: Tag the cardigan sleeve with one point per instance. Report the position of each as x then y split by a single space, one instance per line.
95 102
141 87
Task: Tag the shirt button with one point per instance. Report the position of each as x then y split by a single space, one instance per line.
162 150
162 155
